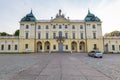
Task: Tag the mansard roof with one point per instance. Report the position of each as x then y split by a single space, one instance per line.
60 18
91 17
29 17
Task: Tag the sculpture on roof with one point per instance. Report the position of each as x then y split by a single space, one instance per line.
60 14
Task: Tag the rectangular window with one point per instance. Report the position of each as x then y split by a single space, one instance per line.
113 47
9 47
60 34
81 35
73 27
54 35
39 27
66 35
54 46
48 47
80 47
60 27
26 35
94 35
73 35
119 47
95 46
2 47
66 27
26 46
81 26
40 47
39 35
46 35
16 47
93 26
47 27
54 27
27 26
66 47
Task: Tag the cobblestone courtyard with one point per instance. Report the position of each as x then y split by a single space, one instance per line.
59 66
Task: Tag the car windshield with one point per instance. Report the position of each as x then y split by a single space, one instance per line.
98 52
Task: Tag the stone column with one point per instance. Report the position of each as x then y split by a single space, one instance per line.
78 47
43 47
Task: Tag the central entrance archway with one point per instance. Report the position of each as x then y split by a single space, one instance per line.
82 46
39 46
47 46
74 46
60 46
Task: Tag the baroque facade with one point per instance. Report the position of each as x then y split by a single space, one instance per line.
59 34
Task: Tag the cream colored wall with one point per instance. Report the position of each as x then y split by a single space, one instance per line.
9 41
90 30
43 31
112 41
31 29
30 43
99 43
69 30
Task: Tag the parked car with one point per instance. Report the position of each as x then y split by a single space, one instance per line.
95 54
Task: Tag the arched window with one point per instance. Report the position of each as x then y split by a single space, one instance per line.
66 35
60 34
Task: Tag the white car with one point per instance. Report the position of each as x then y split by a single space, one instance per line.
95 54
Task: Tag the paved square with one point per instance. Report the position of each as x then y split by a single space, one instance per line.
59 66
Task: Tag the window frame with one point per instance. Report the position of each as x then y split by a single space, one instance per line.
9 47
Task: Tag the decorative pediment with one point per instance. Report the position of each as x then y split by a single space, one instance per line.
60 18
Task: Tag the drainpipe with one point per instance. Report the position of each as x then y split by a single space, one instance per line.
86 37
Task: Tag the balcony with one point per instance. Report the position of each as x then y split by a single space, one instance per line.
60 38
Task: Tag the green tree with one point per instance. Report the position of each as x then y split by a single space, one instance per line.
3 34
16 33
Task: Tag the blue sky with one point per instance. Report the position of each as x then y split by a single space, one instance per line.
13 10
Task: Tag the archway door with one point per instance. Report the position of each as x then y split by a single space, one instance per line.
47 46
60 46
74 46
106 48
39 46
82 46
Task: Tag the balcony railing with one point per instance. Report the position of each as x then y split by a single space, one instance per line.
5 37
60 37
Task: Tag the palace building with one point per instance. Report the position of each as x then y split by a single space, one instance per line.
59 34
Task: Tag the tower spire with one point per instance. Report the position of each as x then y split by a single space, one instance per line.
31 11
88 11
